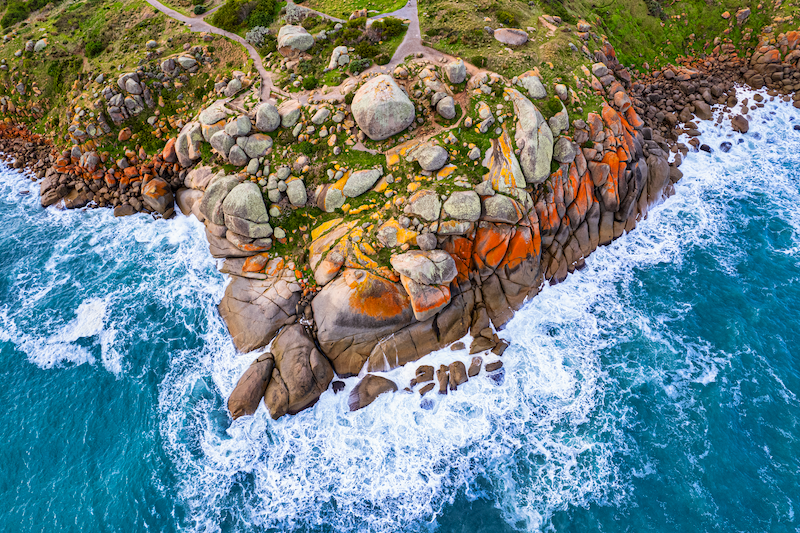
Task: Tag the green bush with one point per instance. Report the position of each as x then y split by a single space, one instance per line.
310 21
360 22
94 48
365 49
235 13
18 10
478 61
197 2
351 35
306 148
348 98
263 14
392 27
199 10
382 59
309 83
506 17
359 65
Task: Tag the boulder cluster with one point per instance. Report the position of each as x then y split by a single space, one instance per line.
481 253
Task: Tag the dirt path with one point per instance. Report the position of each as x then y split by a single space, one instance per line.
200 25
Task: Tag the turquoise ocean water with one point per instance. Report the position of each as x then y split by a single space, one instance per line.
656 390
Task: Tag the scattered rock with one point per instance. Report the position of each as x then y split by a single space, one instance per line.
368 389
250 388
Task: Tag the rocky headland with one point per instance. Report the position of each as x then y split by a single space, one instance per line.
413 207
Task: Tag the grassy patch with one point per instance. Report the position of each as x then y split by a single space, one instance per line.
343 8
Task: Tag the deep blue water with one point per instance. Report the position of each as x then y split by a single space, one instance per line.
656 390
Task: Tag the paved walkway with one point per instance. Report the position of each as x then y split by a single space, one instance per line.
200 25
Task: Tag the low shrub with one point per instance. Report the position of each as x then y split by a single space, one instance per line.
365 49
199 10
357 66
506 18
309 83
382 59
478 61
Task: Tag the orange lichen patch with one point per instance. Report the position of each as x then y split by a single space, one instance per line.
599 172
792 38
595 124
521 246
612 160
374 296
491 243
611 118
571 183
773 56
505 172
609 194
321 245
583 201
413 186
426 300
460 249
357 259
446 171
252 248
388 273
274 266
255 263
381 186
324 228
393 156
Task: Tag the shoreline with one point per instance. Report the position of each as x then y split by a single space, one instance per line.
470 279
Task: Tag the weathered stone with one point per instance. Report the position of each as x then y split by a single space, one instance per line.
251 387
425 204
563 151
740 124
222 143
458 374
300 376
511 36
533 137
267 117
447 108
463 205
381 108
289 111
296 191
157 195
256 145
292 40
435 267
368 390
238 127
431 157
533 85
216 191
353 313
360 182
245 212
456 71
254 310
237 156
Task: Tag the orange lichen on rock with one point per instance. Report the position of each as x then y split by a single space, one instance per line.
461 250
374 296
491 243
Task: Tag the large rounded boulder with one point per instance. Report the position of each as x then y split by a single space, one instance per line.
250 388
292 40
382 109
301 373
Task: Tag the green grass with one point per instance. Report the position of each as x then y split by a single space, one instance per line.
343 8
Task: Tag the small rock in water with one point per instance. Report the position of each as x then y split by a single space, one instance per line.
725 147
797 127
426 404
338 386
705 148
